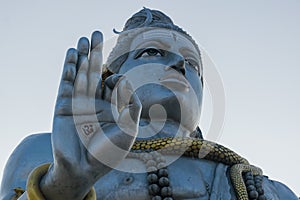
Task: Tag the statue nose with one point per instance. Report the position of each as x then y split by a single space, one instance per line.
179 66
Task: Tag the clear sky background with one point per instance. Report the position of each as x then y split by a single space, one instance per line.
254 44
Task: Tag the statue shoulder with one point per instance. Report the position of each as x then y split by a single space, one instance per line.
30 153
277 190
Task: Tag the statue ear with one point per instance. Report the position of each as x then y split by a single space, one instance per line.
197 133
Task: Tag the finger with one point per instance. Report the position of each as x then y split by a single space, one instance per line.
81 82
68 74
129 117
133 108
95 70
112 88
136 108
109 84
124 92
83 46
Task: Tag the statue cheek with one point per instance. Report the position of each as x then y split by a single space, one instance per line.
191 118
196 92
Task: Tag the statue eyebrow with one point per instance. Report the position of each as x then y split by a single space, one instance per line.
191 53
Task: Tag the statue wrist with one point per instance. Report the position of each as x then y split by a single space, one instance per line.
33 184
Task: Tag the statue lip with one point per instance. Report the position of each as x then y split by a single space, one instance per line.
175 80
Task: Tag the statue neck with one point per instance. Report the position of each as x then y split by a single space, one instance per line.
158 129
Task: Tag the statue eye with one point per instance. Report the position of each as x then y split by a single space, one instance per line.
192 63
150 52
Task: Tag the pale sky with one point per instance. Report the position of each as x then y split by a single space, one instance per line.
254 45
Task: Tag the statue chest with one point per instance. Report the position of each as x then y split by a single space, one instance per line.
189 179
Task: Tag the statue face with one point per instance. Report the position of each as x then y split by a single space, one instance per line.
172 63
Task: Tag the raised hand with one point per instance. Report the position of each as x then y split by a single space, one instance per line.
88 140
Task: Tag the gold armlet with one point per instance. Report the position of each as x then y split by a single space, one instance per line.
33 184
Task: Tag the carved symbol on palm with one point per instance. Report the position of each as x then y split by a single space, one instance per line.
87 129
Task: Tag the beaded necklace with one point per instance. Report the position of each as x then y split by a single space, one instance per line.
159 186
157 175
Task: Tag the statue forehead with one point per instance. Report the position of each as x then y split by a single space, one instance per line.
165 37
